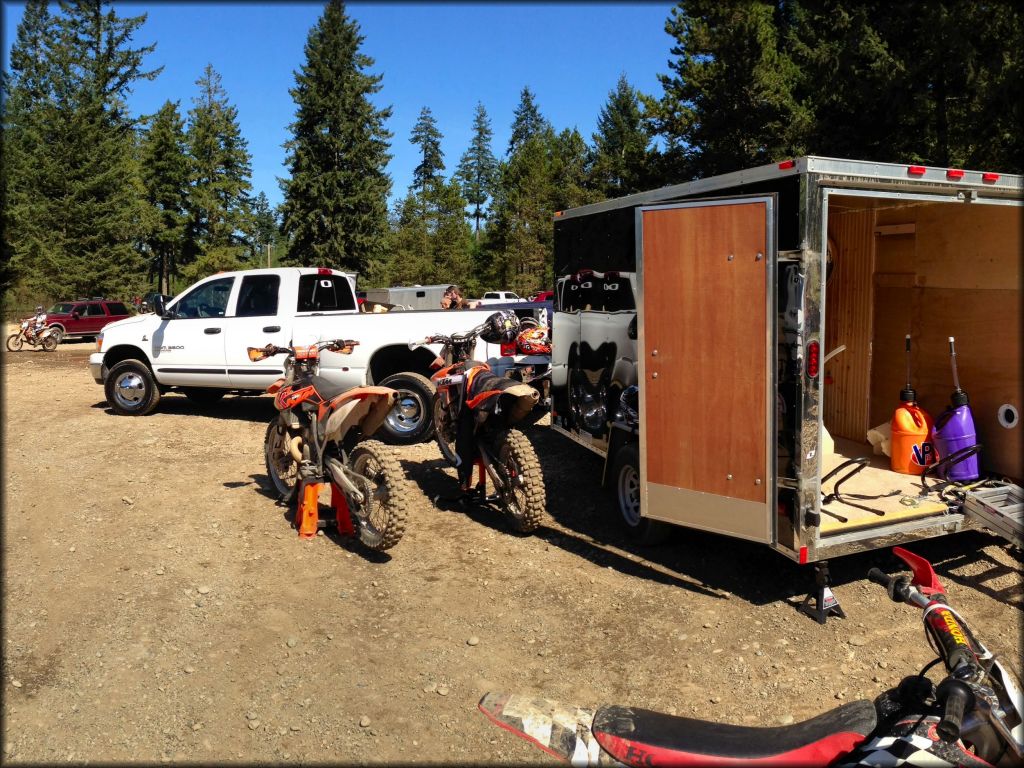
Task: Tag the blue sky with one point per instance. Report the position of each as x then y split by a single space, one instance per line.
447 56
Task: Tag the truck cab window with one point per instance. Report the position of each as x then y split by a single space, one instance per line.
324 293
258 296
207 300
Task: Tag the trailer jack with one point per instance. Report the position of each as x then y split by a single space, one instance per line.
825 602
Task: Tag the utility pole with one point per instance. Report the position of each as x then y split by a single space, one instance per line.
268 255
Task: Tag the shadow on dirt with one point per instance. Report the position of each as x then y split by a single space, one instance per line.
231 407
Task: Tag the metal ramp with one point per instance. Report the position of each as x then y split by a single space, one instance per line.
1000 509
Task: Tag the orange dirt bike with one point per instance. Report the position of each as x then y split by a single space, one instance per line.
47 338
474 410
971 718
319 436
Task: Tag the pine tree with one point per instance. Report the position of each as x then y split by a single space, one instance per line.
622 144
335 208
88 212
527 121
729 102
427 137
478 168
264 236
219 203
166 174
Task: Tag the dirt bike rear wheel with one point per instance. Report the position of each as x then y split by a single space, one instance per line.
444 431
282 469
15 342
49 344
380 519
524 502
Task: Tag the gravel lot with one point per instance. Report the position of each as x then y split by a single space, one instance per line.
158 605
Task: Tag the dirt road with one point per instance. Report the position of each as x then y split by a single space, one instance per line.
158 606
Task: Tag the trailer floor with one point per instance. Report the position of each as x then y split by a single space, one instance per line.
906 501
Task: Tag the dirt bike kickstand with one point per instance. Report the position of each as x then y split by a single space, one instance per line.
825 602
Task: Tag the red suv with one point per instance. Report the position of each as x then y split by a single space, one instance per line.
85 317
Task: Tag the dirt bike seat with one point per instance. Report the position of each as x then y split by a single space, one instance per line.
642 737
328 389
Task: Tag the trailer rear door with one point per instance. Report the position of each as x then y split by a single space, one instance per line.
706 336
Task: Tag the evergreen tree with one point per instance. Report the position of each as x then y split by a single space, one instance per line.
264 236
219 203
729 102
88 212
166 175
478 168
622 144
335 208
427 137
527 121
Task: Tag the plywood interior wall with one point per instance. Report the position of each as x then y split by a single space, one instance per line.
957 274
848 321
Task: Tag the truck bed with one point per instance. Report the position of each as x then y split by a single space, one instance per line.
876 479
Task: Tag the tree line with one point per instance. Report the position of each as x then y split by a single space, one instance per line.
98 201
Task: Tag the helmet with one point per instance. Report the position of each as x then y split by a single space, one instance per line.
39 309
534 341
501 327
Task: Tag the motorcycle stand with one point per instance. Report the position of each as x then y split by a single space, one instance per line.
825 602
307 516
474 496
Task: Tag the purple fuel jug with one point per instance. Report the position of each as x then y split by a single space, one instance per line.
954 430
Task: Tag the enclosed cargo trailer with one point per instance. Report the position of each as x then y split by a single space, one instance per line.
762 316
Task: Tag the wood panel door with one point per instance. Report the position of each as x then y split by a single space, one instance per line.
706 341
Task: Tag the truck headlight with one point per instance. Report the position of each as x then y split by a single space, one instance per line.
99 343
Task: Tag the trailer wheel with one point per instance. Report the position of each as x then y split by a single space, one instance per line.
625 488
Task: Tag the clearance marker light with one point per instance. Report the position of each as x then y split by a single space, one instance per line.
786 164
813 359
990 178
916 170
954 174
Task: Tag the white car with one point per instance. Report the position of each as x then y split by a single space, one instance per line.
500 297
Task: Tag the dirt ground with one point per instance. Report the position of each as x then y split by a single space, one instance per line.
158 605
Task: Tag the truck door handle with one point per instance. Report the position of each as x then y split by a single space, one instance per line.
271 329
211 331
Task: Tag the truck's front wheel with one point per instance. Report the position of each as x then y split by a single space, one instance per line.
411 419
131 389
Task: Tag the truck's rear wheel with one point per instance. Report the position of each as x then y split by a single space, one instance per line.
625 484
131 389
411 419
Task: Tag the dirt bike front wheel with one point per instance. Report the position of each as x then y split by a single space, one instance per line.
380 519
444 431
49 344
282 468
15 342
523 497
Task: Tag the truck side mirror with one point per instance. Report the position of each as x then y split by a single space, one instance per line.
160 307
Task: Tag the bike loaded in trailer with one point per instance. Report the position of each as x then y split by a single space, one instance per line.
787 335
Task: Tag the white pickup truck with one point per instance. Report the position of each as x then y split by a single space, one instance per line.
197 343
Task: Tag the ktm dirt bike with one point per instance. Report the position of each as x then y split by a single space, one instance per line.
47 338
973 717
473 411
319 436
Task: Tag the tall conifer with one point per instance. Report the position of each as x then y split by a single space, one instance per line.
335 202
478 168
166 174
427 137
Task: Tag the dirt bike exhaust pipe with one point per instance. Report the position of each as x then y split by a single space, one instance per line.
295 448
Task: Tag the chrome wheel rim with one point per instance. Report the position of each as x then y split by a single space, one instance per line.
406 414
129 390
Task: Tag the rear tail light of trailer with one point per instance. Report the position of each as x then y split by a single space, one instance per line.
813 359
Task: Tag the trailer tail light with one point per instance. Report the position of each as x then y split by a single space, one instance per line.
954 174
813 359
785 165
990 178
508 348
323 271
916 170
